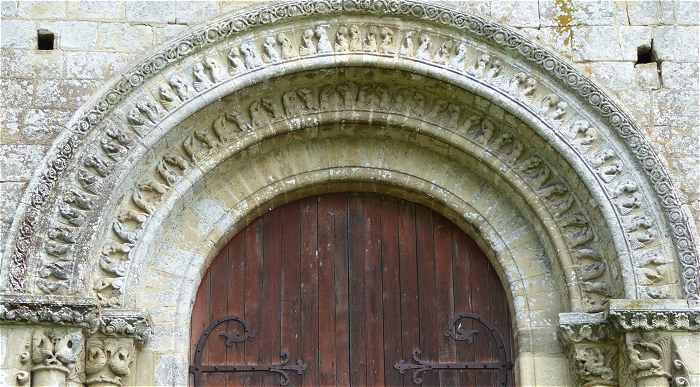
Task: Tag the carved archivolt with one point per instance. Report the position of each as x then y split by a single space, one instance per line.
59 222
331 102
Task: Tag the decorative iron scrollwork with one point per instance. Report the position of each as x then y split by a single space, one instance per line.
458 332
197 369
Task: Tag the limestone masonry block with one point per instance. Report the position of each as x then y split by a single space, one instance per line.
677 43
18 161
643 12
17 34
516 13
679 75
96 10
125 37
150 11
16 92
575 12
675 107
63 94
647 76
95 65
41 9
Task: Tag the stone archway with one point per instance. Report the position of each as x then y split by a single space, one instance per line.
530 158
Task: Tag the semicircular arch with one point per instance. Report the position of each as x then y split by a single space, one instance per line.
596 147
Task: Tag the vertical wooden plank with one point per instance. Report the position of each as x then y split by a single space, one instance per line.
218 294
339 252
481 300
463 302
373 292
269 335
291 282
309 290
200 315
351 284
391 290
254 257
429 330
235 252
358 332
326 291
408 272
442 232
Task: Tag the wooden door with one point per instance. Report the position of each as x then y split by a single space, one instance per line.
344 288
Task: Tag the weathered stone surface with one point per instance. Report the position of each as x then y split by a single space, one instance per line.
679 75
675 107
168 32
63 93
95 65
677 43
150 11
18 161
516 13
687 12
96 10
17 34
125 37
644 12
8 8
561 13
41 9
609 43
41 125
73 35
647 76
189 12
16 92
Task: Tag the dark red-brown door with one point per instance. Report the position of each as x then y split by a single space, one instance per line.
350 284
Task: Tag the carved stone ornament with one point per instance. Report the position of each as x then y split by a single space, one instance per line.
108 361
54 354
88 157
575 328
113 323
45 311
594 364
654 355
635 315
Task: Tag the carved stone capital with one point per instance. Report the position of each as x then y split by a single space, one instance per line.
594 364
653 355
575 328
55 353
108 361
75 313
125 323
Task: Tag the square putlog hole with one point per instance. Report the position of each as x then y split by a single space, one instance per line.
45 39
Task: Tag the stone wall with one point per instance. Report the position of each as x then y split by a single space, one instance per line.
95 41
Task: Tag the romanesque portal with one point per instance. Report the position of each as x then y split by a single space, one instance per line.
111 274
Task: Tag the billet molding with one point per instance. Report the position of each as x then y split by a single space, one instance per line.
85 314
92 116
